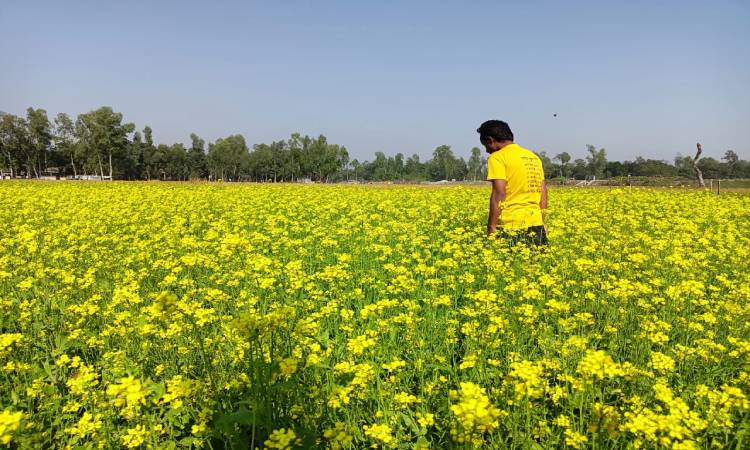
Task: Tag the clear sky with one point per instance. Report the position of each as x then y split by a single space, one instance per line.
636 77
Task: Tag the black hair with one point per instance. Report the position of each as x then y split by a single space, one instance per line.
496 129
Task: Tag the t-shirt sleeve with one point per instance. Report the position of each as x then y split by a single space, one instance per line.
495 169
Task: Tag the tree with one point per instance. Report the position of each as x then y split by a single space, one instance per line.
615 169
696 169
683 165
103 136
177 166
135 166
151 160
596 161
397 166
414 169
732 160
16 143
323 158
40 134
710 168
228 158
475 163
549 169
580 169
444 165
65 139
563 158
261 165
356 168
378 169
343 162
197 157
649 168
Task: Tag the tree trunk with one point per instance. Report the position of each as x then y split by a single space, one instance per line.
696 169
29 166
110 165
75 172
101 169
10 164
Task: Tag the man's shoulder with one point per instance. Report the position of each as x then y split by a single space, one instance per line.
528 153
519 152
496 155
525 150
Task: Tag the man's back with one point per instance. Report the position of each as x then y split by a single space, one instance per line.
522 169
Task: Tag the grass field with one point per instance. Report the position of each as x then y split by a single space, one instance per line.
286 316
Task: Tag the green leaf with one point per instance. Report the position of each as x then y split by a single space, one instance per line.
243 417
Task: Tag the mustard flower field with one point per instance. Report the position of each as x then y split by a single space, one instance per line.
137 315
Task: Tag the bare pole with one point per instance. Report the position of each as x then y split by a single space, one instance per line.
696 169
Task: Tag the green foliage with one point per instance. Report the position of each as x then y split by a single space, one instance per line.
103 139
99 143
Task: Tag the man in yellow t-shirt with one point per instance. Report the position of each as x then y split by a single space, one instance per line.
519 191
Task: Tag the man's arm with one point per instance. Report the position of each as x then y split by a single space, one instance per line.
497 196
543 201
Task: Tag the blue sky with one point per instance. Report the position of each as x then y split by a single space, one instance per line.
638 77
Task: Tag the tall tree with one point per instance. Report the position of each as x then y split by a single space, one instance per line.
343 162
549 168
378 169
136 157
445 166
732 159
356 168
177 165
40 133
441 164
696 168
16 143
398 166
228 158
103 136
563 158
580 169
414 169
65 139
475 163
151 158
596 160
197 157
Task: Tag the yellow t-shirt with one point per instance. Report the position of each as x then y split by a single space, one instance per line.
522 170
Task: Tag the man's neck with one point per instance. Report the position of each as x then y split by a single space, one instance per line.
503 144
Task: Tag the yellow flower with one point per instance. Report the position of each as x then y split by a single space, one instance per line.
426 419
339 436
134 437
661 362
9 423
379 432
474 414
359 344
129 394
562 421
282 439
7 340
575 440
597 364
87 425
288 366
405 399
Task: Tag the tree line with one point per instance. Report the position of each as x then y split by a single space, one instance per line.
99 143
